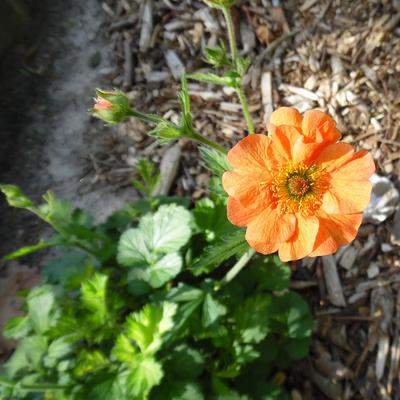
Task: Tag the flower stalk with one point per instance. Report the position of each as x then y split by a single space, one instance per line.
241 263
234 53
194 135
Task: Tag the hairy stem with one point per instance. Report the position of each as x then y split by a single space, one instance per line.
246 111
234 53
194 135
241 263
231 33
145 117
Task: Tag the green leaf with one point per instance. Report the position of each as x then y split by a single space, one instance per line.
165 231
166 132
69 269
291 316
272 274
242 65
40 304
94 297
165 269
107 387
184 99
148 326
217 56
124 351
215 79
144 374
57 350
15 197
138 281
27 355
215 161
168 229
184 293
252 319
297 348
149 175
185 362
212 310
89 362
178 390
216 254
23 251
17 327
133 249
210 217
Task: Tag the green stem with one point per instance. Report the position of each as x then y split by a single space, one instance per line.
42 387
65 235
194 135
231 33
234 53
6 382
39 387
241 263
246 111
145 117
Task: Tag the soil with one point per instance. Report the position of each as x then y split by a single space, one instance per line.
47 135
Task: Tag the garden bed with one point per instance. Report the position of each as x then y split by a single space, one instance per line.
340 56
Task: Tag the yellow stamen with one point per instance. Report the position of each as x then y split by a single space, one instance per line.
299 188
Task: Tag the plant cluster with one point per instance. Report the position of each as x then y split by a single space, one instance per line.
144 306
168 300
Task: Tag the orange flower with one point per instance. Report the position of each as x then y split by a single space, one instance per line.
297 190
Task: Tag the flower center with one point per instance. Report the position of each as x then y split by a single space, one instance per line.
299 188
298 185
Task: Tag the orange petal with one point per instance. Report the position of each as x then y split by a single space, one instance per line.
302 242
283 139
335 155
303 150
239 215
248 187
319 126
263 248
250 152
270 227
335 231
286 116
350 190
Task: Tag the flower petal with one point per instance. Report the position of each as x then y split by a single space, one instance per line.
350 190
239 215
250 152
270 227
248 187
335 155
286 116
283 139
319 126
263 248
302 242
335 231
303 150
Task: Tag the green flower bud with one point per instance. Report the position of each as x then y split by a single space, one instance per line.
15 197
167 130
112 107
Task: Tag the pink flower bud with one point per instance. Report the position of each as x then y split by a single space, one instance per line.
102 104
111 106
